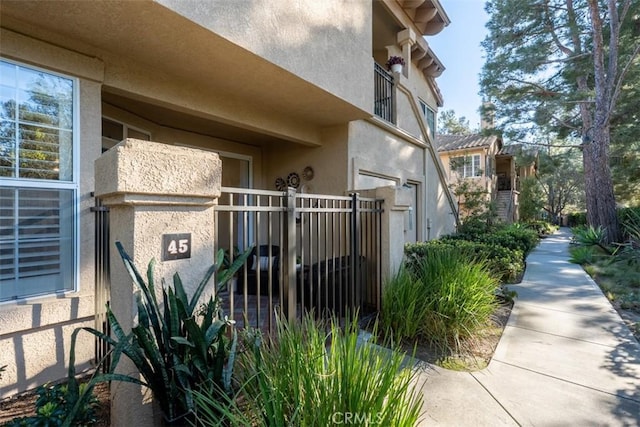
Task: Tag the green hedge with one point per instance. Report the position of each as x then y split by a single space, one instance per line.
543 228
576 218
511 237
505 263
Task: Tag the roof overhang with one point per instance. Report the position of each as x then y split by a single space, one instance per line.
152 37
428 16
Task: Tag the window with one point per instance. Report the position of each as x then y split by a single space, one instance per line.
113 132
430 117
38 180
466 166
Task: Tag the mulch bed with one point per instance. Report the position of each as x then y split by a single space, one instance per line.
23 405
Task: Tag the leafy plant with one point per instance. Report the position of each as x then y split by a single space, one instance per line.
630 223
182 346
543 228
581 255
504 263
394 60
309 375
591 236
56 402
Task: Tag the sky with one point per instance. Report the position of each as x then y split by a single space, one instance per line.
458 47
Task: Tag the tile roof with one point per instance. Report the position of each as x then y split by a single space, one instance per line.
461 142
510 150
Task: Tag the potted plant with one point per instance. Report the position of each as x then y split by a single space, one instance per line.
395 64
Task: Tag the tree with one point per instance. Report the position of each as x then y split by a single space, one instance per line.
559 65
450 124
560 178
530 201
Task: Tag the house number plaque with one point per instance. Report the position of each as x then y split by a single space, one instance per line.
176 246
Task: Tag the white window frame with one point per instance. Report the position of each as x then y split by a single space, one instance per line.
250 233
425 110
73 184
469 165
109 143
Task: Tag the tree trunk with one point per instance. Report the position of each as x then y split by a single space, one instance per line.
605 208
607 216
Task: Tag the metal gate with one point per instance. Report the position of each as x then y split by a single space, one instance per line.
311 253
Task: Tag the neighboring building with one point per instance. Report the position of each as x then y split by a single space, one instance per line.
488 166
272 86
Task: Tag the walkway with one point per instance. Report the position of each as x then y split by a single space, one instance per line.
565 358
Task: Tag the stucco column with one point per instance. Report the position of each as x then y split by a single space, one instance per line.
161 201
397 202
406 39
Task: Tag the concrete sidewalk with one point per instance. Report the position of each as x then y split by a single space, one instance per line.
565 358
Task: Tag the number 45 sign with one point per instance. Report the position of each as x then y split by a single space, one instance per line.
176 246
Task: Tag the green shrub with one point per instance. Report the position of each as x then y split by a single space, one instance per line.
630 223
576 219
591 236
54 405
474 227
458 295
310 376
514 237
543 228
506 264
581 255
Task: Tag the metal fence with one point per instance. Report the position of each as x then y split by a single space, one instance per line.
311 253
384 95
103 281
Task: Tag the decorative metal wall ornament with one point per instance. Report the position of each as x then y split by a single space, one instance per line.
293 180
281 184
307 173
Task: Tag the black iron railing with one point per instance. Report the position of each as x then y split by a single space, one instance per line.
102 294
384 96
314 253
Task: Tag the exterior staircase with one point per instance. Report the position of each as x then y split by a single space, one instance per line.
505 206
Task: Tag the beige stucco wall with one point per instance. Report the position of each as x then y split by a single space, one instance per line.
35 333
329 163
176 136
316 52
324 42
483 181
370 148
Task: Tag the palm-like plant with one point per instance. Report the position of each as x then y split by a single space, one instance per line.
177 348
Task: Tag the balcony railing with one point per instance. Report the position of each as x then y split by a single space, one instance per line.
384 106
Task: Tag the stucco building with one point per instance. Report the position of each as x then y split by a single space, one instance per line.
273 87
489 166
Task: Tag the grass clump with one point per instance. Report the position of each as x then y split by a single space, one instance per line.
443 298
312 375
504 263
616 268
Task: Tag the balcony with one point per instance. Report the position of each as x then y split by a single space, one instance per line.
384 97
